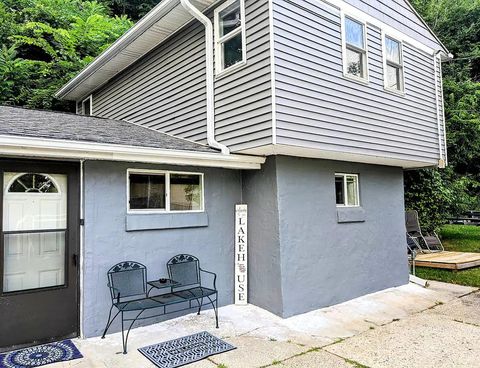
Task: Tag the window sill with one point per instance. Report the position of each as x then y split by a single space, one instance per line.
163 221
230 70
363 81
350 214
394 91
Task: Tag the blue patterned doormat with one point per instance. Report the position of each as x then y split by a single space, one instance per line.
185 350
37 356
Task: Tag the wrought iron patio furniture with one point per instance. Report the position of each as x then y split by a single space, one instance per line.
427 242
130 292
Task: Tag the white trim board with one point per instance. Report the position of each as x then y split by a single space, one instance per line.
307 152
273 75
62 149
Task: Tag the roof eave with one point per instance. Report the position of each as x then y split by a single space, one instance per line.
18 146
148 22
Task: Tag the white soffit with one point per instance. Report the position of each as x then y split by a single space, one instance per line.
161 22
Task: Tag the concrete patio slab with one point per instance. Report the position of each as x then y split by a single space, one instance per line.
465 309
257 352
424 340
319 358
362 330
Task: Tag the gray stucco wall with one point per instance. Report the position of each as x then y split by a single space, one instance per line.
260 193
107 241
326 255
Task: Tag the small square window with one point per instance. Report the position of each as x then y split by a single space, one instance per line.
347 190
355 50
230 35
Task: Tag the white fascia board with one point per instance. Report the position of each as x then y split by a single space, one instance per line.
62 149
348 9
307 152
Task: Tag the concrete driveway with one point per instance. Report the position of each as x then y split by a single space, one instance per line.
408 326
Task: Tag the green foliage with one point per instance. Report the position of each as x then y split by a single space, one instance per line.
47 42
439 194
134 9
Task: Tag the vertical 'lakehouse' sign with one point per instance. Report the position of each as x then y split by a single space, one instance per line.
241 255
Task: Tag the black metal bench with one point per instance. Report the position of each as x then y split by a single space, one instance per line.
130 291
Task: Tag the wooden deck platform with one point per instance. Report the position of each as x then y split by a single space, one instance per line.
448 260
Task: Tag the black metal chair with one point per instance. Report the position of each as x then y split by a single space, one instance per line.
128 285
185 269
128 288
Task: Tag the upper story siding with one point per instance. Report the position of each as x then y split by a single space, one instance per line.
319 108
166 89
398 14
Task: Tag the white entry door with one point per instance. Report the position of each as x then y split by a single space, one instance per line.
34 227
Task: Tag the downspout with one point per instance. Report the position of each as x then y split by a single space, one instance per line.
441 161
210 76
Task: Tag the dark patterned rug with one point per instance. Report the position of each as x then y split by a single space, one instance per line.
185 350
37 356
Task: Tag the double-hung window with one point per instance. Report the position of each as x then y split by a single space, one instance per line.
230 37
164 191
347 191
354 49
393 64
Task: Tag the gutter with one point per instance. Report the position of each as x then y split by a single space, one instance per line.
212 142
16 146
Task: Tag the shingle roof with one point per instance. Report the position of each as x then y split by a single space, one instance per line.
15 121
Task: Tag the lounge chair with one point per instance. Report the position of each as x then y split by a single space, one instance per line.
425 242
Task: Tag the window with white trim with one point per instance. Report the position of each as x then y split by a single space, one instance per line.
355 49
230 37
393 64
87 106
347 191
165 191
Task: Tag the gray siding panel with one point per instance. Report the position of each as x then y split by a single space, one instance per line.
243 101
317 107
166 90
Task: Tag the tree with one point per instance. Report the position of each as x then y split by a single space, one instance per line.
440 193
47 42
134 9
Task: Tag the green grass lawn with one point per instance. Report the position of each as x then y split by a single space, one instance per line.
460 238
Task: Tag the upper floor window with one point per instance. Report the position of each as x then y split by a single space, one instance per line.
87 106
393 64
354 49
347 191
164 191
230 42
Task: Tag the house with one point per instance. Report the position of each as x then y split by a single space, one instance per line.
307 111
